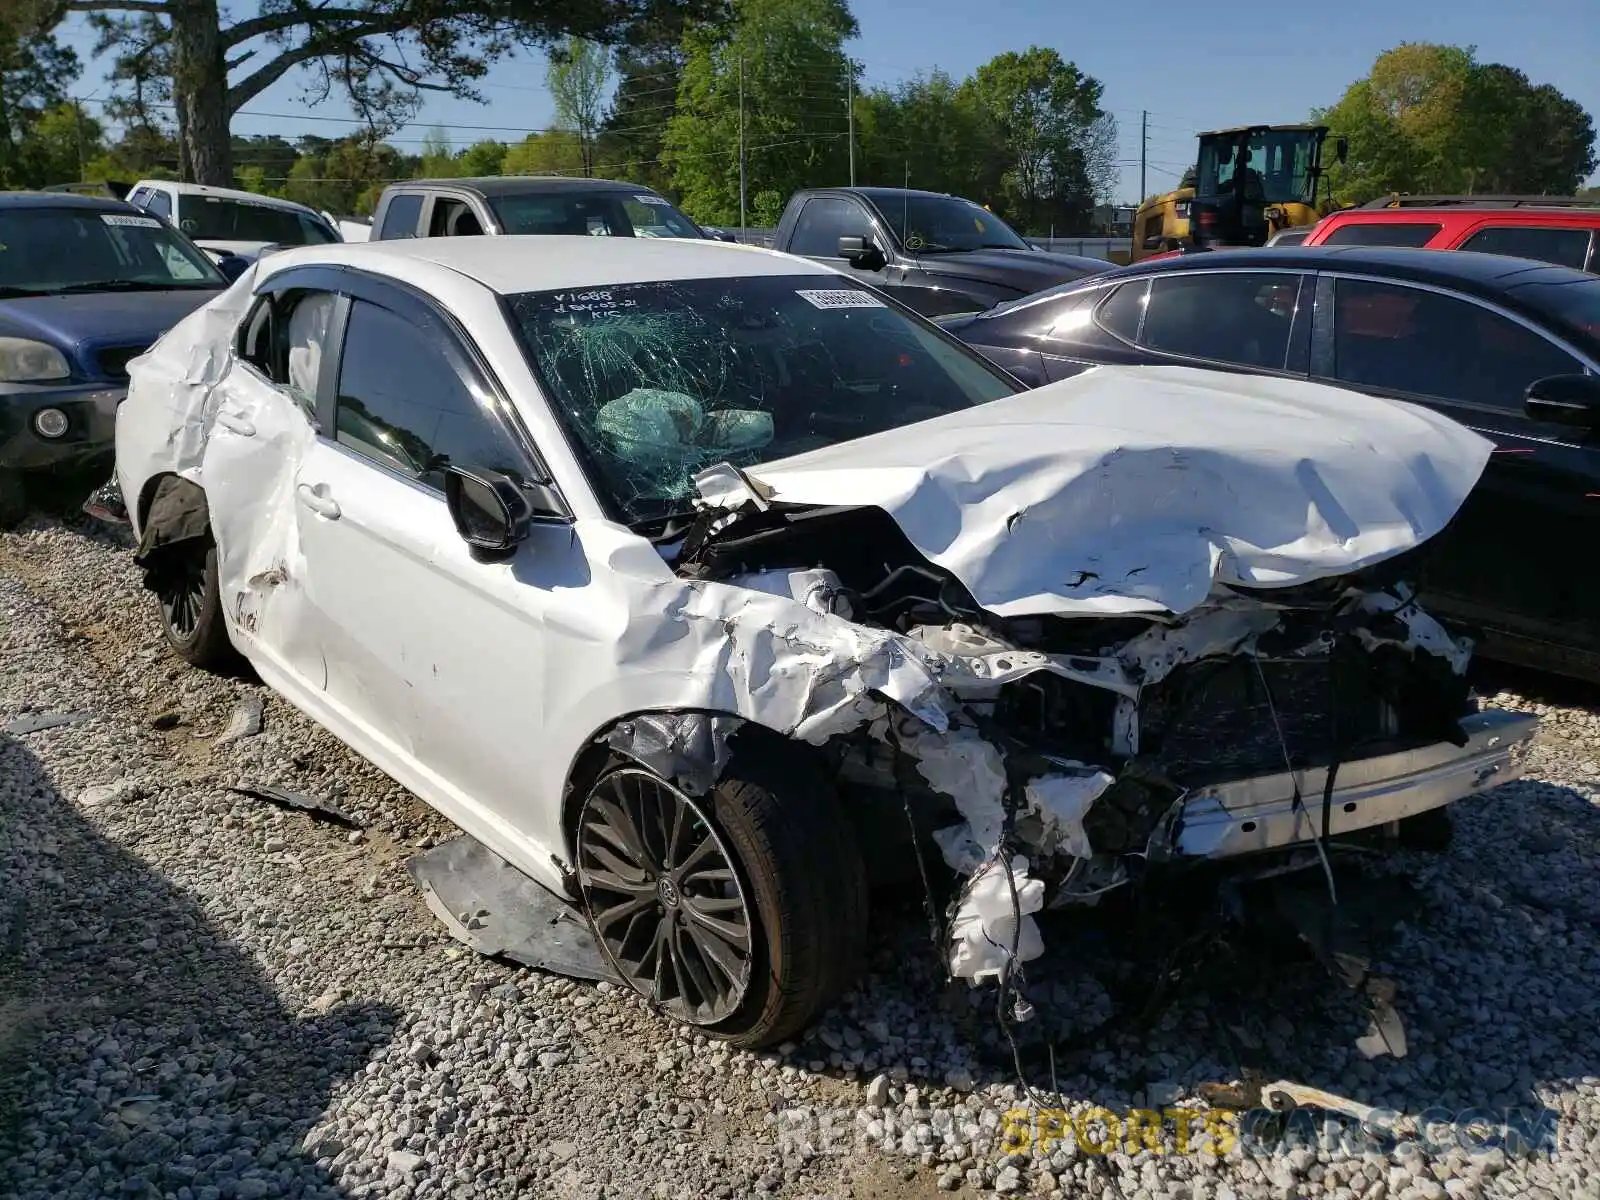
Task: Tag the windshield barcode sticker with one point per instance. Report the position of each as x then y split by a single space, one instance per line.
650 200
123 219
841 298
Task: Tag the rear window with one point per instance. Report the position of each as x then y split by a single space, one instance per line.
1575 302
593 214
1564 247
1383 233
208 218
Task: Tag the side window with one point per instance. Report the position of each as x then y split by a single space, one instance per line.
1121 312
401 217
1565 247
160 203
139 197
823 221
1396 338
453 218
286 337
1228 316
1383 233
402 404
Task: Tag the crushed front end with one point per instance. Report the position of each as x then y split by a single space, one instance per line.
1268 725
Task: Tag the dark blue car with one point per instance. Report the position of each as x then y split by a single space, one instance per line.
86 284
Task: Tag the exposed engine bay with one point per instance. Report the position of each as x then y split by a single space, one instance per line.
1075 742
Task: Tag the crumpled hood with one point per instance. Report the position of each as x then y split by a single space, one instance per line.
1134 489
1026 271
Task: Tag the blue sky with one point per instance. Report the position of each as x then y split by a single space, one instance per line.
1162 56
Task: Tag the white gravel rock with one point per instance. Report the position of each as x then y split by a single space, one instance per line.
203 996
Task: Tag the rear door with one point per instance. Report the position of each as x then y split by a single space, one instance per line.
1566 244
1516 558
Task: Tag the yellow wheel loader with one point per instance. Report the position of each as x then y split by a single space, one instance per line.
1248 183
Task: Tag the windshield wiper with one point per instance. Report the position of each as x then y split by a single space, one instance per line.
127 285
12 292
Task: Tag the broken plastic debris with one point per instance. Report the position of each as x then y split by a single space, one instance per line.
105 503
245 722
496 910
314 806
1062 802
1386 1033
41 721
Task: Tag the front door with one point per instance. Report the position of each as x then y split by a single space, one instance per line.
437 657
1515 559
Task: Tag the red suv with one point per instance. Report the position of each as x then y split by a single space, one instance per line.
1548 228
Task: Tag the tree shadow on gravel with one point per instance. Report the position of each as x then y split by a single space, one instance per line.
140 1052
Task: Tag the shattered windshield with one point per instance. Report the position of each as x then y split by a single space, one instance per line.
657 381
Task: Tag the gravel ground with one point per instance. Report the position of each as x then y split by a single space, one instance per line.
203 996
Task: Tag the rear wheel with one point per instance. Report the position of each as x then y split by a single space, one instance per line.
190 603
742 912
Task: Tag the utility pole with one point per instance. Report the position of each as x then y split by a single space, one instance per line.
743 224
1144 144
850 113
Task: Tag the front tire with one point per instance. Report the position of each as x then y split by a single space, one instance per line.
190 605
742 912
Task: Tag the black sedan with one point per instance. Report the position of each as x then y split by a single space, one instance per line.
1507 346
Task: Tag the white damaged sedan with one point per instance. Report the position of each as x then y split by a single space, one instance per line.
659 567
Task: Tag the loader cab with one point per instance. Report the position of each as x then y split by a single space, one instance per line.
1255 181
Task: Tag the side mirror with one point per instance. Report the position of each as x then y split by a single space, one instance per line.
232 266
859 252
491 510
1565 400
1341 149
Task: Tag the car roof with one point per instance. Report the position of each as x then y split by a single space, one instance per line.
1521 214
889 193
222 193
532 262
63 200
1462 269
524 185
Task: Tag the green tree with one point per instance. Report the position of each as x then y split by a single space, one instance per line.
438 156
482 158
931 133
577 77
789 55
1431 119
379 53
262 163
642 107
1047 117
35 73
555 152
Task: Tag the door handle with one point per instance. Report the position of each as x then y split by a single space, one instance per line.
318 502
236 422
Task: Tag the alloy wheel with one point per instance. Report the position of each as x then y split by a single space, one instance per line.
662 893
182 594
